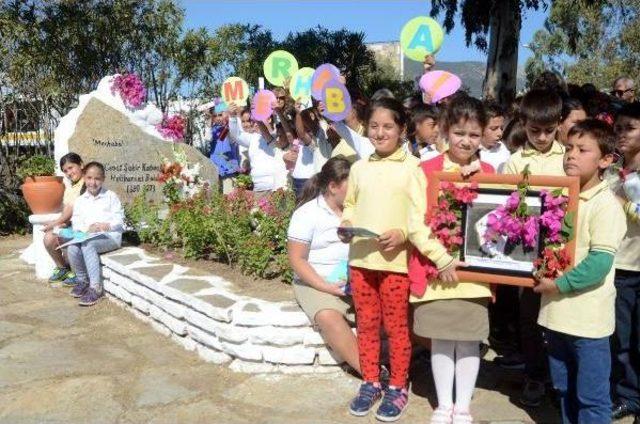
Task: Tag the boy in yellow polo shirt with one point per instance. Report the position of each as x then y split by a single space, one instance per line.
578 308
540 112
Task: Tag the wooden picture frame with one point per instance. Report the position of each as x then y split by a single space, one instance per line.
500 185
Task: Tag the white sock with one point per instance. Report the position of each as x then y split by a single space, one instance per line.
443 369
467 367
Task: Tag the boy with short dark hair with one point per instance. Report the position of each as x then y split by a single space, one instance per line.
578 308
540 112
625 182
423 125
492 149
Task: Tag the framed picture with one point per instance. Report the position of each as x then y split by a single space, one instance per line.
495 258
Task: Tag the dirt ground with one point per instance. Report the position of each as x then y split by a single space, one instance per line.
60 363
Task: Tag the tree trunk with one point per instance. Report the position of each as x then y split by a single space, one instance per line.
502 61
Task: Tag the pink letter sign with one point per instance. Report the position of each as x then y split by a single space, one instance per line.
261 108
321 76
439 84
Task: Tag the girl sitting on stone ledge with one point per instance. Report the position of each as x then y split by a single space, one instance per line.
316 255
71 166
98 210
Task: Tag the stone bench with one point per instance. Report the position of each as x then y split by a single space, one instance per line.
203 313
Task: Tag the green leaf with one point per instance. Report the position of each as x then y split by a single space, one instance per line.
557 192
568 225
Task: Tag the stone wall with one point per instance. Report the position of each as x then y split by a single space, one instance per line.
202 313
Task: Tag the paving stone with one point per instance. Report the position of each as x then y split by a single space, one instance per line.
245 351
251 307
189 285
295 355
177 326
125 260
219 301
155 387
205 338
238 365
212 355
157 272
140 304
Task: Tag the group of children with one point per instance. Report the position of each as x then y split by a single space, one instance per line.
563 326
88 208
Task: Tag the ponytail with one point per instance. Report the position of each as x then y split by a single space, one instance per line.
310 191
336 170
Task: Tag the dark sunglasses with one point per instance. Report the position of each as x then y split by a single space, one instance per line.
621 92
282 97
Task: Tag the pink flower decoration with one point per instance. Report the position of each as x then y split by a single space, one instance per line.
172 127
130 88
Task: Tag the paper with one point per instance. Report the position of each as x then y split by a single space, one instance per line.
75 237
340 273
357 232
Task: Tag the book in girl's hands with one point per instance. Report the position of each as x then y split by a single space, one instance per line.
357 232
74 237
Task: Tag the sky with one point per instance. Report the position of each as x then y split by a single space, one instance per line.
379 20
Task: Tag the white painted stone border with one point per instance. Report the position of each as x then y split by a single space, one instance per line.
249 334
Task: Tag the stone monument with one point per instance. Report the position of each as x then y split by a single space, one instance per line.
126 141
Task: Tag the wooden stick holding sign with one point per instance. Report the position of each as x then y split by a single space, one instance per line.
235 91
279 67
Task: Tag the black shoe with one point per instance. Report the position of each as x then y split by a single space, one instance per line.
621 410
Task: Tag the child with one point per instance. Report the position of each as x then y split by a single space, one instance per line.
572 113
423 128
452 314
71 166
578 308
377 200
97 210
316 254
492 149
625 182
268 170
540 112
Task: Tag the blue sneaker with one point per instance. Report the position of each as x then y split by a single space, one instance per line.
90 297
71 280
367 396
79 289
59 274
393 404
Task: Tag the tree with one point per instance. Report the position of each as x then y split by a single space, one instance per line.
589 42
501 21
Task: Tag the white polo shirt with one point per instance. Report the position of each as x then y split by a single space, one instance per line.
315 224
497 156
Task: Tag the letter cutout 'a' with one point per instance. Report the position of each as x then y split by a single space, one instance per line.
422 38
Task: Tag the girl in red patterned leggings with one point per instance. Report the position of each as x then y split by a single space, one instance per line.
378 200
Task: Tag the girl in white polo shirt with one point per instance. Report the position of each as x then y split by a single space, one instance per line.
316 253
98 210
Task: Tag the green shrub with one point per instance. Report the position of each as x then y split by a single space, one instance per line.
35 166
233 229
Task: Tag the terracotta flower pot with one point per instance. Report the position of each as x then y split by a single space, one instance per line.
43 194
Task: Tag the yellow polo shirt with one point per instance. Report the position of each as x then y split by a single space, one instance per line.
549 163
628 256
591 312
72 192
420 235
343 149
378 199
